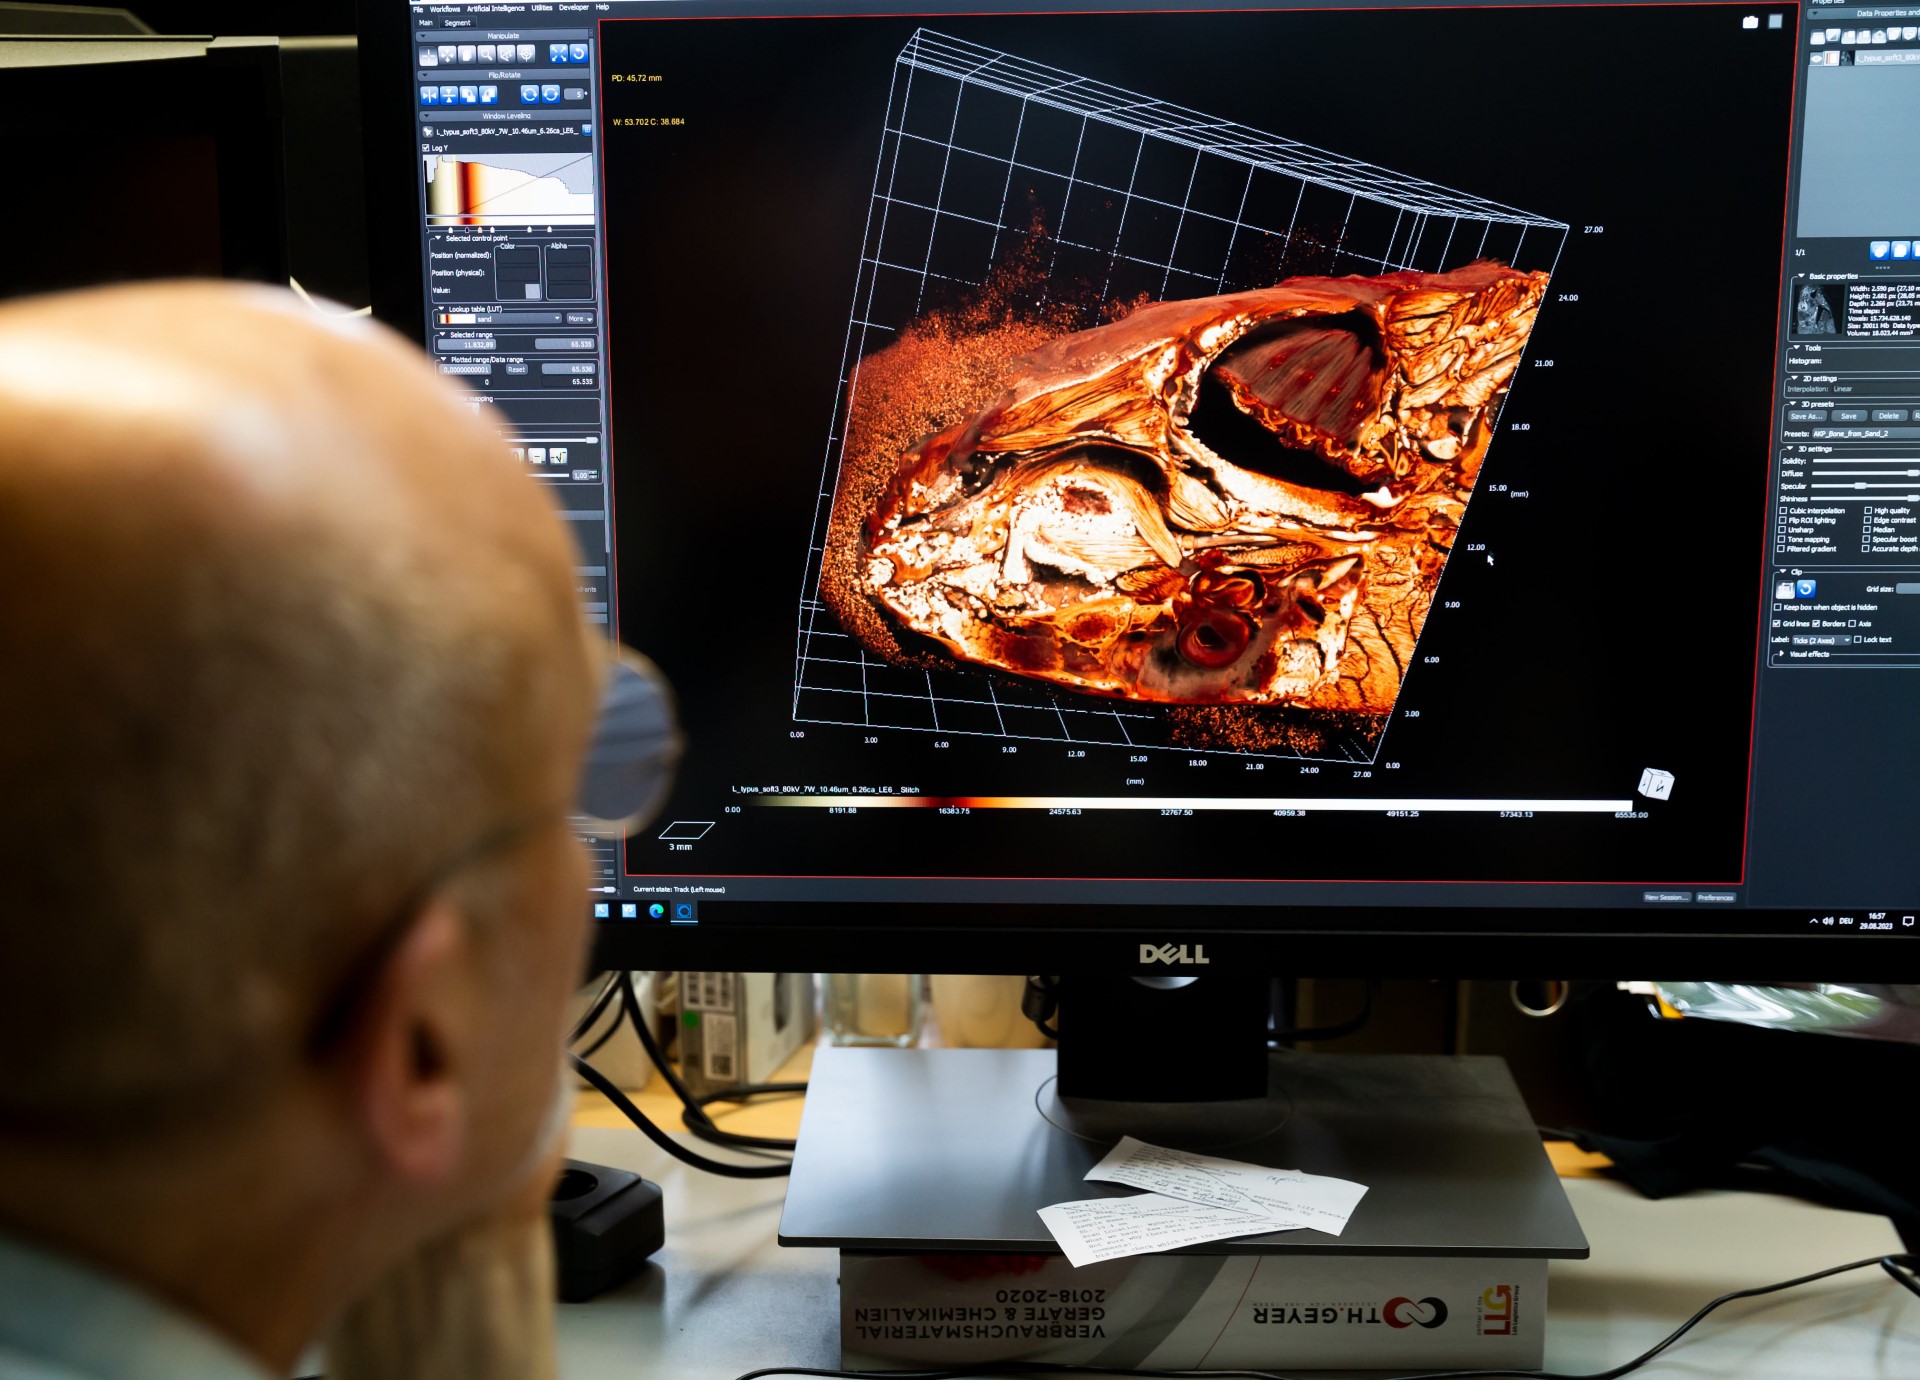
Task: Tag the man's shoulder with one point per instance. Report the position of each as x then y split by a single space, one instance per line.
64 1319
15 1365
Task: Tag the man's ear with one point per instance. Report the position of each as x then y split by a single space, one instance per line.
406 1051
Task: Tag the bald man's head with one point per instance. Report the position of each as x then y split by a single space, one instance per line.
285 631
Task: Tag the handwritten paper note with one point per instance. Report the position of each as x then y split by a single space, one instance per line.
1192 1199
1107 1228
1311 1200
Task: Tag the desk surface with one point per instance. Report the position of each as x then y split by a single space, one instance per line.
721 1298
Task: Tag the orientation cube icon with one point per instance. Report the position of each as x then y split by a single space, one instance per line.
1656 784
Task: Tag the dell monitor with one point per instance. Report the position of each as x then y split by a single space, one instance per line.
1130 489
138 156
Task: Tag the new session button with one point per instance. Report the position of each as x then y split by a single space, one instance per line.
1667 898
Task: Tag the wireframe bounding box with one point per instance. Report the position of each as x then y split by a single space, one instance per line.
1158 428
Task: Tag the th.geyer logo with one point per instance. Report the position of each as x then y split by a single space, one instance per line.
1173 953
1404 1312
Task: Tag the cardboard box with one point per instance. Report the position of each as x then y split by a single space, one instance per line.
1194 1312
739 1028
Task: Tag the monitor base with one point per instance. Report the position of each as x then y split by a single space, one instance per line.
1168 1038
932 1150
1211 1126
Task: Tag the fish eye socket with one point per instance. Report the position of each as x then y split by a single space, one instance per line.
1214 639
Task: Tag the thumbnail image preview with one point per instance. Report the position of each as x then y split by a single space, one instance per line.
1190 454
1813 312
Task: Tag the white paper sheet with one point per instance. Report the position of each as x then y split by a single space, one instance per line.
1107 1228
1297 1198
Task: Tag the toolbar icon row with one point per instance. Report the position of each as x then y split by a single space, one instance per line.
459 95
682 912
487 54
540 455
454 54
1904 34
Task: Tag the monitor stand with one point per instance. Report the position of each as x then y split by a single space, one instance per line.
955 1149
1176 1061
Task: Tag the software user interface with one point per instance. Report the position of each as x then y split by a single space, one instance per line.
1434 457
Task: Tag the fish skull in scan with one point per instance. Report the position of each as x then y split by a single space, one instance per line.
1214 501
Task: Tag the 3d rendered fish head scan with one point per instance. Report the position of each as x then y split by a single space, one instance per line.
1239 500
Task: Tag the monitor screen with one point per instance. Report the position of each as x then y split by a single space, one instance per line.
1352 477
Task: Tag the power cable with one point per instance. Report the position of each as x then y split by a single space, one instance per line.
694 1108
640 1119
609 991
695 1115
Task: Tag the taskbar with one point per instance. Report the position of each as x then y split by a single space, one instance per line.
670 907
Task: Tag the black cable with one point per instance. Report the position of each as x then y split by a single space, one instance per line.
1276 1038
1038 1001
706 1130
613 1028
1891 1264
749 1090
644 1028
625 1106
596 1008
698 1123
1900 1267
746 1090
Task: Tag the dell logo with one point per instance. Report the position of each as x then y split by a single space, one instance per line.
1172 954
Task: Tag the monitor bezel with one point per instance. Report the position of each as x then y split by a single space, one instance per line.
385 33
784 936
1463 953
232 97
